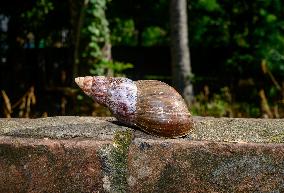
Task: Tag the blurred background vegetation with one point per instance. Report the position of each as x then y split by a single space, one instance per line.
236 48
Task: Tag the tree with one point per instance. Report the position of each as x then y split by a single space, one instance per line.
76 19
181 67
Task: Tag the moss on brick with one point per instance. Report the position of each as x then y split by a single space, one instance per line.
279 138
114 161
122 140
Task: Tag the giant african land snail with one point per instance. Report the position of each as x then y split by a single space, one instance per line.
151 105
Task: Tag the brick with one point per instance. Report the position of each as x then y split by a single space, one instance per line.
44 165
202 166
87 154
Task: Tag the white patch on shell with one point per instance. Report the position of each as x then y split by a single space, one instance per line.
122 97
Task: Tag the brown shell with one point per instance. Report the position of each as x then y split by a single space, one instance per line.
160 110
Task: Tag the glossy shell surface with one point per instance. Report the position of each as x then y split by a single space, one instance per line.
151 105
160 110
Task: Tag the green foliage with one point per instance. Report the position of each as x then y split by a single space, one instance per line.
252 29
96 31
139 23
218 105
113 67
34 20
123 32
37 14
276 60
221 105
207 24
154 35
209 5
249 32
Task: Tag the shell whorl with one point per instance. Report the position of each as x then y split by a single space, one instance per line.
161 110
118 94
95 87
122 99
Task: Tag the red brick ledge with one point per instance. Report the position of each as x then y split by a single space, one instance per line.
119 159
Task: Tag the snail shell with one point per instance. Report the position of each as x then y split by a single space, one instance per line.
151 105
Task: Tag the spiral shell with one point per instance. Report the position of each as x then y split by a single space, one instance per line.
151 105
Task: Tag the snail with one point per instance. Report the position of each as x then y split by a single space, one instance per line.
153 106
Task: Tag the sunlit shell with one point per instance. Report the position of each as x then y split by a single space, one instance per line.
161 110
151 105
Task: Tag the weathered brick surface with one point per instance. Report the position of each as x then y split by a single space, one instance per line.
44 165
85 154
184 166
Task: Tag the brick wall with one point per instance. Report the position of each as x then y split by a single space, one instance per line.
86 154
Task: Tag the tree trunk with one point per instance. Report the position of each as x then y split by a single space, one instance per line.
77 17
181 67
